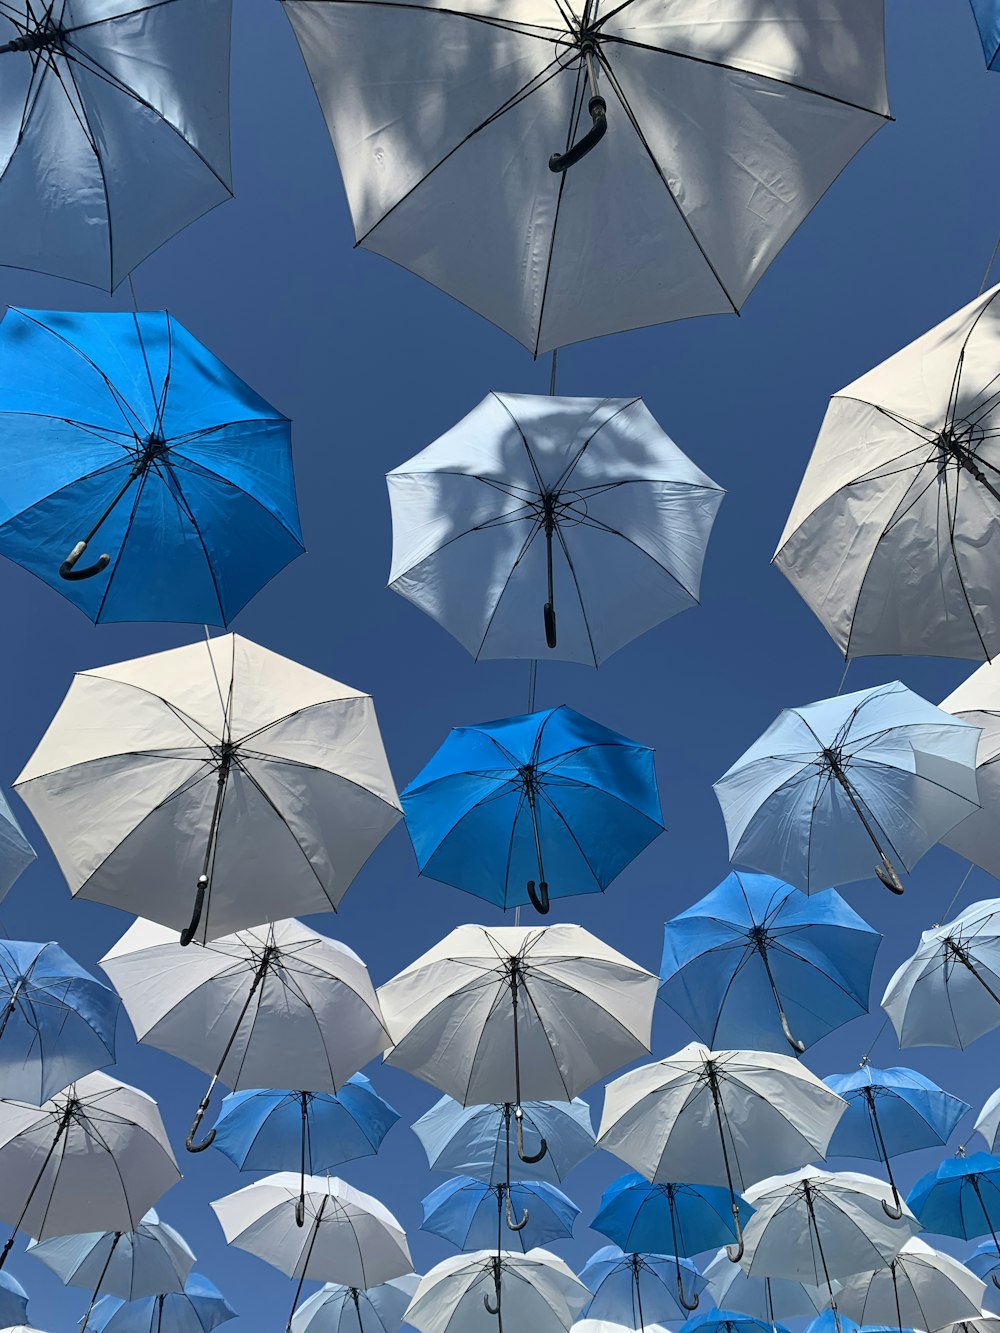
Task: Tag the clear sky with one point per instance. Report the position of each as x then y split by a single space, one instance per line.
371 365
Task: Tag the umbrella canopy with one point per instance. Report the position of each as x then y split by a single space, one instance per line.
635 1290
984 1323
152 1259
338 1309
961 1197
728 1321
517 529
829 783
679 1219
987 15
984 1261
234 786
475 1140
921 1287
199 1308
114 133
676 214
57 1022
977 701
832 1321
16 852
948 992
756 963
467 1294
988 1121
890 540
13 1300
470 1213
533 807
766 1298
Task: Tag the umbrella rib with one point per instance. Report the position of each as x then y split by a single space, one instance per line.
186 507
576 585
536 528
951 513
572 466
576 842
539 31
120 553
114 18
589 521
539 483
521 798
576 110
84 118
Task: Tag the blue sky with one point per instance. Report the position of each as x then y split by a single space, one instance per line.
371 364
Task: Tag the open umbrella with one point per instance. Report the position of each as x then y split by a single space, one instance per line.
198 1308
710 114
987 15
13 1300
961 1197
16 852
519 527
920 1288
478 1293
729 1321
469 1213
766 1298
977 701
234 786
635 1290
984 1261
339 1309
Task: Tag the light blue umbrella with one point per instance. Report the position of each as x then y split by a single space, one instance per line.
16 852
827 785
984 1261
832 1321
122 429
469 1213
960 1198
633 1290
57 1023
728 1321
756 963
13 1301
475 1140
550 799
987 14
200 1307
668 1218
338 1309
767 1298
891 1111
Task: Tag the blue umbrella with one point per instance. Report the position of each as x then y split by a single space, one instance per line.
891 1111
468 1213
960 1198
985 1263
633 1290
16 852
124 426
756 961
832 1321
200 1307
728 1321
987 14
549 799
334 1307
475 1140
58 1022
13 1302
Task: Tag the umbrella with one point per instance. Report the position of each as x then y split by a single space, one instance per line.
985 1323
987 15
677 213
766 1298
13 1300
832 1321
921 1288
475 1140
634 1290
729 1321
960 1198
738 1114
984 1261
197 1309
830 782
977 701
891 1111
468 1213
277 1004
531 504
338 1309
16 853
115 131
58 1022
96 1154
221 766
548 804
476 1293
123 427
497 1013
948 992
891 537
756 963
988 1121
149 1261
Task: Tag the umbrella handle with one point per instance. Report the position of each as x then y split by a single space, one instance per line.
209 1139
598 109
550 625
734 1253
527 1157
512 1223
995 1281
300 1211
793 1041
188 933
681 1295
539 898
886 873
66 570
893 1210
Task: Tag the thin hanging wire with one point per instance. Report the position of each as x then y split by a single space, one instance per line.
847 667
989 266
555 354
954 896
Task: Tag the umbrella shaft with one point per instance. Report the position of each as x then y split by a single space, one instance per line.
63 1126
960 952
100 1281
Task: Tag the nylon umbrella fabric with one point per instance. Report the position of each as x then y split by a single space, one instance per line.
13 1300
16 852
114 130
518 528
339 1309
920 1288
199 1308
465 1294
987 16
635 1290
846 787
152 1259
985 1323
534 807
961 1197
472 1215
669 217
984 1261
765 1298
988 1121
125 436
728 1321
235 786
57 1022
977 701
756 963
639 1215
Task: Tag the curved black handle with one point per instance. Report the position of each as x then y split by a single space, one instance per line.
527 1157
550 625
300 1212
512 1223
598 109
895 1211
66 570
493 1309
682 1294
995 1280
539 898
189 1142
734 1253
188 933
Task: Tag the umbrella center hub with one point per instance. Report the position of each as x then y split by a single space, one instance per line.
44 35
958 444
528 773
154 448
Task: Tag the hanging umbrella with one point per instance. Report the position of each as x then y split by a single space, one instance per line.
122 429
283 1005
738 1114
891 1111
921 1288
199 1308
517 529
960 1198
548 804
891 537
728 1321
987 16
677 213
756 963
470 1213
478 1293
115 130
16 853
57 1021
984 1323
988 1121
636 1290
977 701
832 1321
96 1154
827 784
984 1261
338 1309
13 1300
475 1140
948 992
234 786
765 1298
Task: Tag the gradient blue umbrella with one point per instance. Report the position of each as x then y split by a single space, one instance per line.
728 1321
16 852
987 14
57 1022
470 1213
123 427
961 1198
891 1111
532 807
633 1290
334 1308
199 1308
832 1321
13 1302
756 963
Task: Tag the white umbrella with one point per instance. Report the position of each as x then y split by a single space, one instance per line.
983 1323
339 1309
96 1154
920 1288
948 992
988 1121
275 1007
721 1117
977 701
892 539
476 1293
770 1299
234 786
